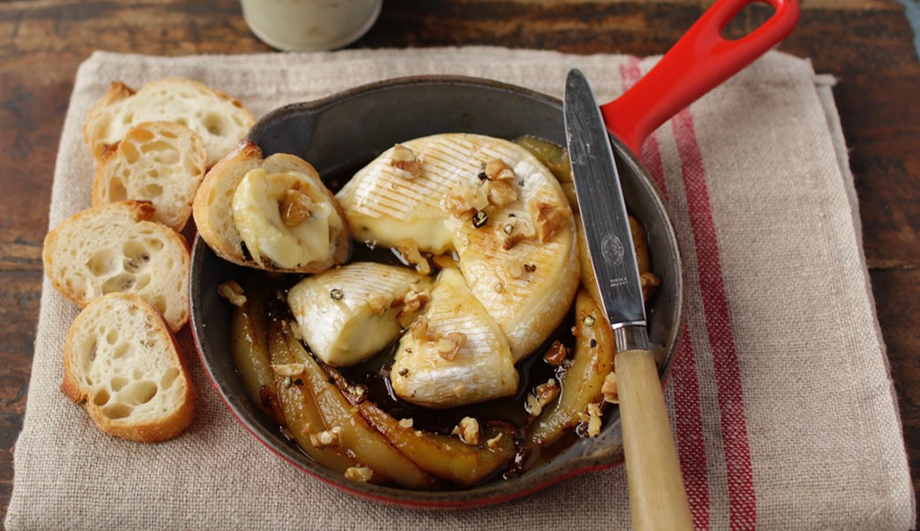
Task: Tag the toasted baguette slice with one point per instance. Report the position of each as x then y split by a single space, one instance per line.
160 162
219 221
218 118
123 364
116 248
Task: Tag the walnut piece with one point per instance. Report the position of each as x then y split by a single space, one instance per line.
450 345
232 291
609 389
497 170
502 193
421 332
403 159
377 303
649 282
326 439
593 419
406 423
468 430
549 220
295 208
361 474
546 392
556 354
409 251
532 405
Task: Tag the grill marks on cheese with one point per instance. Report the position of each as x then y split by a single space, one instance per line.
382 205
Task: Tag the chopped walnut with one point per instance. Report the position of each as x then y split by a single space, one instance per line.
361 474
609 389
546 392
458 203
325 439
289 369
421 332
409 251
295 208
502 193
496 170
450 345
532 405
403 159
406 423
649 282
410 304
556 354
232 291
377 303
592 417
493 442
468 430
549 220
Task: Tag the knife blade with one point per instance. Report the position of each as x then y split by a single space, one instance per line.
603 210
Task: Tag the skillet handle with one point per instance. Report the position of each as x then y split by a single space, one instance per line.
699 62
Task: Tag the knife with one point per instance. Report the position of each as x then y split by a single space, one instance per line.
656 490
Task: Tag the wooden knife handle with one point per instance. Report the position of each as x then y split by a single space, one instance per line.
656 490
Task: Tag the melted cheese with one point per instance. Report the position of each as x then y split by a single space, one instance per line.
257 217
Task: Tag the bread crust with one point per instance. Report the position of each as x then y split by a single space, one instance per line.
225 176
141 211
111 153
118 91
163 429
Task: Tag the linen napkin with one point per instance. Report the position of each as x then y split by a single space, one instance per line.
781 402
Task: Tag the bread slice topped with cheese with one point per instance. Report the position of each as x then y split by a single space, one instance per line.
219 119
274 214
160 162
122 363
116 248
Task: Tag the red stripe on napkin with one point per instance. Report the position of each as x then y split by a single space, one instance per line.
742 498
688 419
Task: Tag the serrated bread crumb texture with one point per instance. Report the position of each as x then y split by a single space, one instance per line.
114 248
160 162
219 119
121 362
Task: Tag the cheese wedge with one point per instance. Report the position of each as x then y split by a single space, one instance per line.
455 353
350 313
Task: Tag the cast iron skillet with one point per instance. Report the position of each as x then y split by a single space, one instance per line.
344 131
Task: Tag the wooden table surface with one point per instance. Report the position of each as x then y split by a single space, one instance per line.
867 44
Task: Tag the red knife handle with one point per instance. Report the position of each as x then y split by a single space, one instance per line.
700 61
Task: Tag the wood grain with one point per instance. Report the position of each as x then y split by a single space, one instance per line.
867 44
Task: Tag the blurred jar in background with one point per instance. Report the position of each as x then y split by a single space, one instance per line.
310 25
